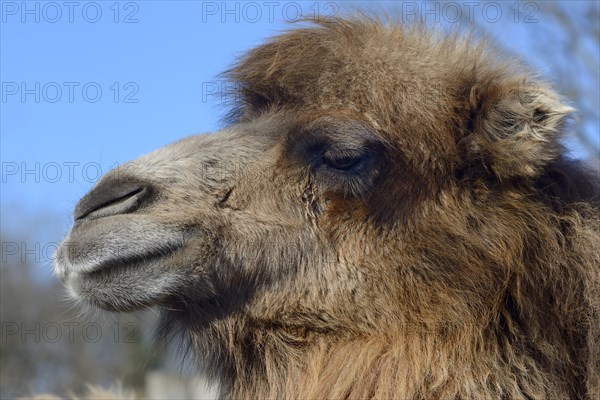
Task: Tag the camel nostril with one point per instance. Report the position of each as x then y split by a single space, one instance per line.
112 197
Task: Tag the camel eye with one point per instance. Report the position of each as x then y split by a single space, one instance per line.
343 163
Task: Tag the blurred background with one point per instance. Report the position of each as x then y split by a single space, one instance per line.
87 86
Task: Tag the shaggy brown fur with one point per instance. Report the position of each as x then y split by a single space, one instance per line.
92 393
393 217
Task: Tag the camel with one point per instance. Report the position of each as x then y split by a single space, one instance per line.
389 213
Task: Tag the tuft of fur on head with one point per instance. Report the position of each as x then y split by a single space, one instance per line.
510 122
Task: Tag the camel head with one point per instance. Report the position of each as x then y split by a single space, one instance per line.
373 179
352 145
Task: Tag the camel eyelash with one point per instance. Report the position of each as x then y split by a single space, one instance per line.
343 156
348 172
342 163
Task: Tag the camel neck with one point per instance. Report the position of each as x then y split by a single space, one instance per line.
416 366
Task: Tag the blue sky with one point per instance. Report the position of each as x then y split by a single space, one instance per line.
153 62
164 58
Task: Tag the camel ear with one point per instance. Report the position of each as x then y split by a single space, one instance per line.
515 127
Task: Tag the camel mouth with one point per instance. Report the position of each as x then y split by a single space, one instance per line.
105 268
98 244
120 262
103 287
126 284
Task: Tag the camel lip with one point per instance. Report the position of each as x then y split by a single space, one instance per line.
69 270
130 261
95 245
